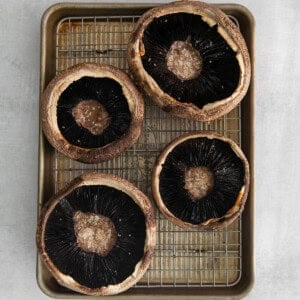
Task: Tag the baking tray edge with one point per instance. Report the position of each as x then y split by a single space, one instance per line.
48 24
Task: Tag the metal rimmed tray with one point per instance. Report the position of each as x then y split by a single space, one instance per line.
186 265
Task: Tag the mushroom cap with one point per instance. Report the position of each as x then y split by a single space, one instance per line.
61 82
228 31
137 196
212 223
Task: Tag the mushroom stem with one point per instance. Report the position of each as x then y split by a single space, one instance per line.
91 115
184 60
94 233
199 182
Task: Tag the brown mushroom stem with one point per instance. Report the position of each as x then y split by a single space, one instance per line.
184 60
94 233
199 182
91 115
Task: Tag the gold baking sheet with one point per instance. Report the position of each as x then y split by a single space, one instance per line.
188 263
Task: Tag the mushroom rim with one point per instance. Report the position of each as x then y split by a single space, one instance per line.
229 32
60 82
212 223
92 178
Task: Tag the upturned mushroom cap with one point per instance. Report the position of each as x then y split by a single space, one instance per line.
211 15
92 179
211 223
49 121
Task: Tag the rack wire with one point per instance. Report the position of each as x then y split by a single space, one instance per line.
182 258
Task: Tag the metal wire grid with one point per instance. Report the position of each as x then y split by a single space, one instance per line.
182 258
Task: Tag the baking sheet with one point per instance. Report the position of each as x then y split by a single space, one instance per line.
188 263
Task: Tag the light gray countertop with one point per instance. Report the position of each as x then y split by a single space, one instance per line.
277 166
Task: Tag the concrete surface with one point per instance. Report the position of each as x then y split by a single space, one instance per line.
277 139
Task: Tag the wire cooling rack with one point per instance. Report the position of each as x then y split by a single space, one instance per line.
182 258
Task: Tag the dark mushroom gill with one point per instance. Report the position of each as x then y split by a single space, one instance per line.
228 173
108 93
216 75
89 268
